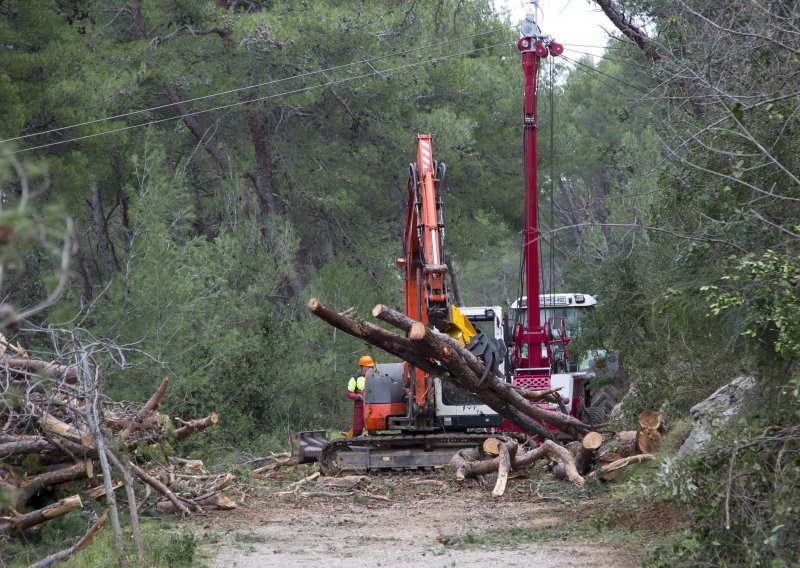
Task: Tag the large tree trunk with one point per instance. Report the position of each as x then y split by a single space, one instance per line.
257 121
464 368
19 522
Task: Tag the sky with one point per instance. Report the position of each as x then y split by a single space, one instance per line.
572 23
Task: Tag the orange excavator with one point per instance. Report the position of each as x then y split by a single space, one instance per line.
413 419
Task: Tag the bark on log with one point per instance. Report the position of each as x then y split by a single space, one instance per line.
587 452
19 522
150 406
625 443
461 462
478 381
85 541
547 395
508 451
193 426
35 484
24 445
68 373
386 340
428 343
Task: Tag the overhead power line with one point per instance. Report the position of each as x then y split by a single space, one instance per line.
265 97
256 86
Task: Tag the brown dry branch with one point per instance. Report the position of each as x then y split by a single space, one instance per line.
150 406
85 541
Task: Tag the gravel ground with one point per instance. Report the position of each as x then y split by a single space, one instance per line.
438 523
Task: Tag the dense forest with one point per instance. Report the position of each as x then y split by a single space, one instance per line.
178 178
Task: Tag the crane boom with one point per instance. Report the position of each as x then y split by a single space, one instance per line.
532 353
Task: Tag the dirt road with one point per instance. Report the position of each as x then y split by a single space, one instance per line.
409 521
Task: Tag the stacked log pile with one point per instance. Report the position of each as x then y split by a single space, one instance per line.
63 446
589 453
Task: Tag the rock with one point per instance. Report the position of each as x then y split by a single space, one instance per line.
725 400
715 411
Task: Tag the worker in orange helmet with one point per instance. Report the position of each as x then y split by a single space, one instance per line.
355 391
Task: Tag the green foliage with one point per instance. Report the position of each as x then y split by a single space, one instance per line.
767 288
742 498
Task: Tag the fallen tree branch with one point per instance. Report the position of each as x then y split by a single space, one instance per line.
612 470
150 406
161 488
192 426
17 522
85 541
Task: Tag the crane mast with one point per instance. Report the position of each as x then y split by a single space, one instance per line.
532 353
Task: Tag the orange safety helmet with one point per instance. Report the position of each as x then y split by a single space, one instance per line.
366 361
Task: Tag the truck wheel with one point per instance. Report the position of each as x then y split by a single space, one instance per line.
604 397
595 415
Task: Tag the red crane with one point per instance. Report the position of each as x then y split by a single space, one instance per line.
533 343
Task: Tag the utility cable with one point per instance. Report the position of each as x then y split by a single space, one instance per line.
265 97
618 80
258 85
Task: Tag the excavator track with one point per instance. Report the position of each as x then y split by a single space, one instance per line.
394 452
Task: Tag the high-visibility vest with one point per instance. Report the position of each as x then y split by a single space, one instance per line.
356 384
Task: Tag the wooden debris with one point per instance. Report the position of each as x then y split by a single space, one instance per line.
192 426
587 451
17 522
150 406
612 470
85 541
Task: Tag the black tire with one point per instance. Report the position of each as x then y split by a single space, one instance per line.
595 415
604 397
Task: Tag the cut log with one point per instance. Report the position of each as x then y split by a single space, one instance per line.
647 440
586 453
386 340
19 522
58 427
150 406
461 462
192 426
99 492
35 445
508 451
613 470
468 464
650 419
608 457
33 485
491 446
188 464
